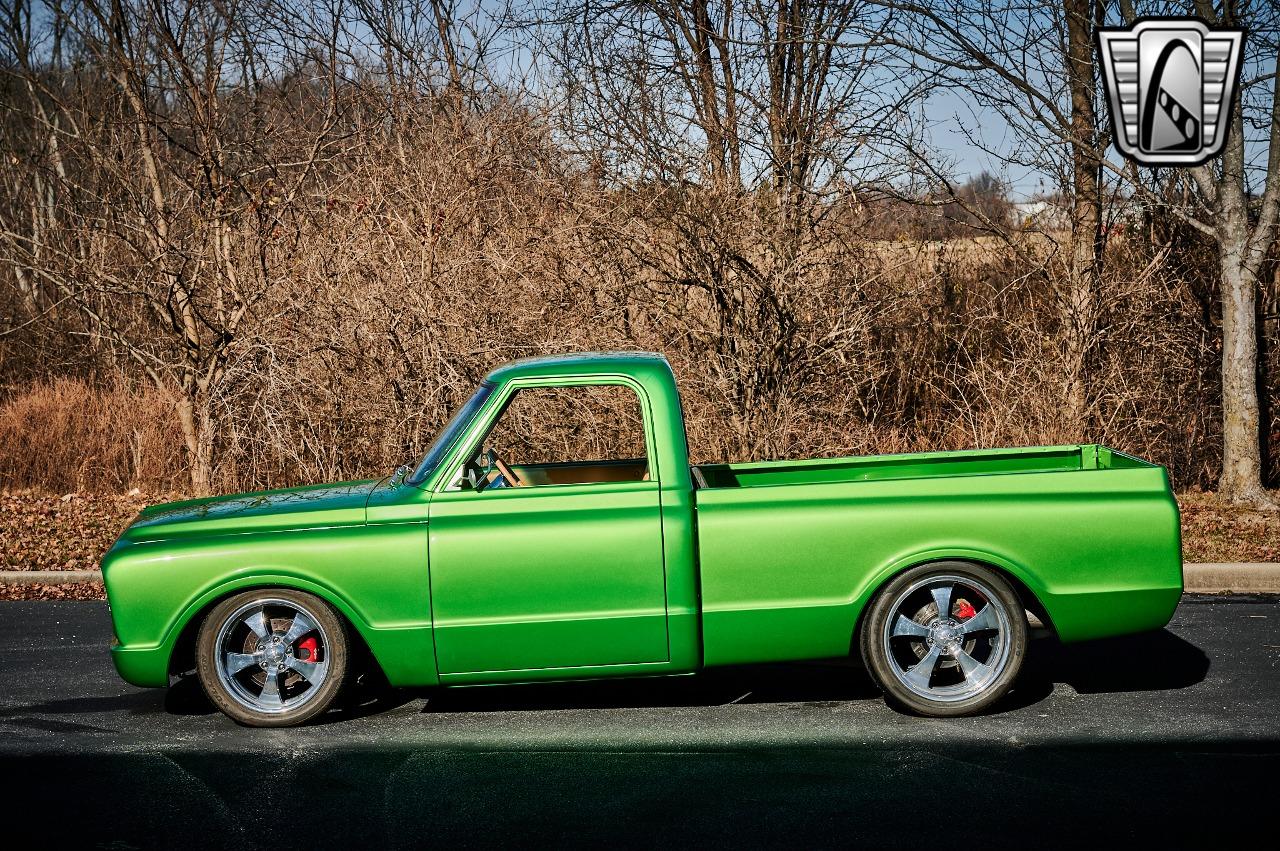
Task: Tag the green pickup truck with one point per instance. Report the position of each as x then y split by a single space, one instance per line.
556 555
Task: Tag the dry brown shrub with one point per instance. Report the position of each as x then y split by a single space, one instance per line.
427 256
67 435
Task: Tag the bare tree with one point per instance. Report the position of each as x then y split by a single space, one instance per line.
1031 66
1082 17
312 225
165 232
733 132
1244 227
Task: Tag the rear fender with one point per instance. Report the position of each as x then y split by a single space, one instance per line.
905 562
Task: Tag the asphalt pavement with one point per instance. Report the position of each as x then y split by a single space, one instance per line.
1169 738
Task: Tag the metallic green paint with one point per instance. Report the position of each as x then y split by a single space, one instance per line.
787 569
771 561
527 578
315 506
374 575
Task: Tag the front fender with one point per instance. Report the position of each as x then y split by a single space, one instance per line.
406 654
376 577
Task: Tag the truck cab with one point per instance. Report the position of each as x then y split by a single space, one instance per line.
545 564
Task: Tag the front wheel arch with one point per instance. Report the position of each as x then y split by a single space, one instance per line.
244 633
182 654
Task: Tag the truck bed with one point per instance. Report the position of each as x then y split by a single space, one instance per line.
790 552
981 462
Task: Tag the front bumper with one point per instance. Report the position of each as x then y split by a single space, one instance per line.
142 666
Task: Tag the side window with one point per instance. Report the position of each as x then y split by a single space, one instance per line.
571 435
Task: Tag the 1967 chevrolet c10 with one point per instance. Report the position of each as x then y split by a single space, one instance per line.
476 568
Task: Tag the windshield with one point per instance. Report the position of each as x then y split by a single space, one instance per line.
444 442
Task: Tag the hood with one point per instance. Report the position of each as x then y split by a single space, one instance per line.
313 506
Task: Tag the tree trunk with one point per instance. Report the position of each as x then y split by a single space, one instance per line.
1242 472
1080 300
197 434
1241 250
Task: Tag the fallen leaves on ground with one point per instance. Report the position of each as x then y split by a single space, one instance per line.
76 591
1213 530
41 531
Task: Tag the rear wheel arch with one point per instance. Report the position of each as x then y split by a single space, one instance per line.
931 652
1028 597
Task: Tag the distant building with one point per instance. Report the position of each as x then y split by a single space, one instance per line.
1042 214
1120 213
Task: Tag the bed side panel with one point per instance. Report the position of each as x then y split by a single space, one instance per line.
786 570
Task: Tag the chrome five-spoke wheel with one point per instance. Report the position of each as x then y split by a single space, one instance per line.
945 639
272 659
272 655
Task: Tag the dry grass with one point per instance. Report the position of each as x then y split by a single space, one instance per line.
67 436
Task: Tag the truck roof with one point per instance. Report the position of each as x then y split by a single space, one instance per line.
581 363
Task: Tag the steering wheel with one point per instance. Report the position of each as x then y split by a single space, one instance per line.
504 470
477 471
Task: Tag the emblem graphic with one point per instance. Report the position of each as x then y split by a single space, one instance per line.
1170 84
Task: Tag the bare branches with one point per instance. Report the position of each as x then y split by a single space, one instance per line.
311 226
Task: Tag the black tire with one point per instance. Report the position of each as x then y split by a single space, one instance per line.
265 651
970 666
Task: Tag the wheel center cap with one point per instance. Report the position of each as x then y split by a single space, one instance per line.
271 652
945 634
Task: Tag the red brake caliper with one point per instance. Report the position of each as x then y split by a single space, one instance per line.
963 610
306 649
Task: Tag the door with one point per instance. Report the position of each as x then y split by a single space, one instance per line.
551 557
